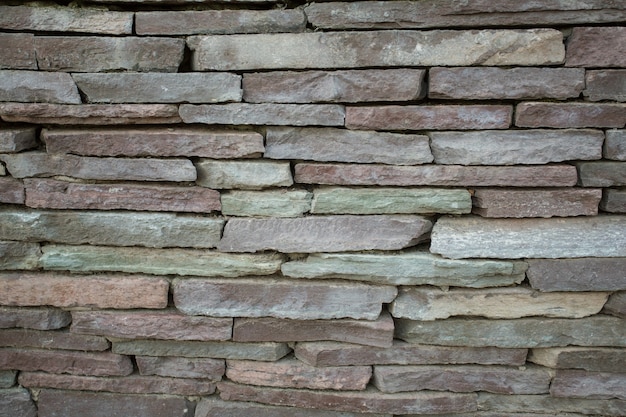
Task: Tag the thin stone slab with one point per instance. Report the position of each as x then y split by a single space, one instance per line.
16 402
615 145
377 49
19 255
582 384
513 147
158 261
348 86
39 318
268 203
597 330
407 268
37 87
7 379
602 173
176 367
616 305
256 174
52 340
324 233
159 88
597 47
12 191
18 51
154 230
589 359
575 237
264 114
548 404
605 85
570 115
16 139
585 274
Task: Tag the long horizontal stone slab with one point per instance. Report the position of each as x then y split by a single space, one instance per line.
37 87
11 191
16 139
377 49
341 145
324 233
449 175
158 261
615 145
597 330
17 401
596 47
254 174
38 318
570 383
281 298
155 230
613 201
549 405
177 367
267 203
18 51
584 274
602 173
19 255
576 237
513 147
49 339
570 115
589 359
407 268
605 85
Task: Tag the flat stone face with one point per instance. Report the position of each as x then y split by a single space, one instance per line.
282 298
42 318
104 291
616 305
377 333
53 194
324 233
175 367
243 174
7 379
515 146
158 261
585 274
150 141
110 228
565 202
615 145
19 255
377 49
159 88
602 173
264 114
99 54
605 85
428 117
16 139
11 191
589 359
583 384
432 304
18 51
570 115
518 333
407 268
17 402
341 145
269 203
549 404
218 22
51 340
291 373
37 87
597 47
145 324
505 84
349 86
576 237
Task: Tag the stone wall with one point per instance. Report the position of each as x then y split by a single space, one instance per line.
331 209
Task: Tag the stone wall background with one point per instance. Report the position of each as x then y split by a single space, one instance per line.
326 209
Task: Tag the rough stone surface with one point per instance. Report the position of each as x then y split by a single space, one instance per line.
148 324
615 145
243 174
616 305
565 202
51 340
585 274
110 228
282 298
158 261
549 404
602 173
99 291
18 51
16 139
7 379
204 368
19 255
515 146
576 237
407 268
432 304
37 87
505 84
606 85
16 402
341 145
377 49
11 191
324 233
583 384
427 117
270 203
596 47
519 333
570 115
589 359
348 86
42 318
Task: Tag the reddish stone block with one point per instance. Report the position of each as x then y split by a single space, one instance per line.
176 367
18 51
582 274
19 338
583 384
42 318
615 145
606 85
570 115
596 47
11 191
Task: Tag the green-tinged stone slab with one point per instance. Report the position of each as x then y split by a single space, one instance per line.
271 203
19 255
7 379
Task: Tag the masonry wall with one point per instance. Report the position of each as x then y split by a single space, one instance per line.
332 209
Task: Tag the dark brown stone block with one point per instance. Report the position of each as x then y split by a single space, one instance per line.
42 318
613 200
11 191
602 173
51 340
606 85
597 47
584 274
583 384
570 115
18 51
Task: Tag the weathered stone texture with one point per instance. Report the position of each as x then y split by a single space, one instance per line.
606 85
586 274
615 145
597 47
324 233
16 402
243 174
589 359
16 139
549 405
602 173
176 367
576 237
7 379
583 384
269 203
570 115
341 145
18 51
515 146
11 191
37 87
42 318
51 340
19 255
616 305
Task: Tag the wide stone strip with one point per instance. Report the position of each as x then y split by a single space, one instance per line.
428 117
377 49
16 139
291 373
155 230
37 87
585 274
516 146
19 255
348 86
150 141
615 145
219 22
255 174
341 145
281 298
549 405
605 85
146 324
269 203
589 359
159 88
42 318
53 194
407 268
369 401
602 173
158 261
18 51
583 384
17 401
324 233
597 47
519 333
52 340
175 367
99 291
614 201
576 237
11 191
264 114
570 115
432 304
99 54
